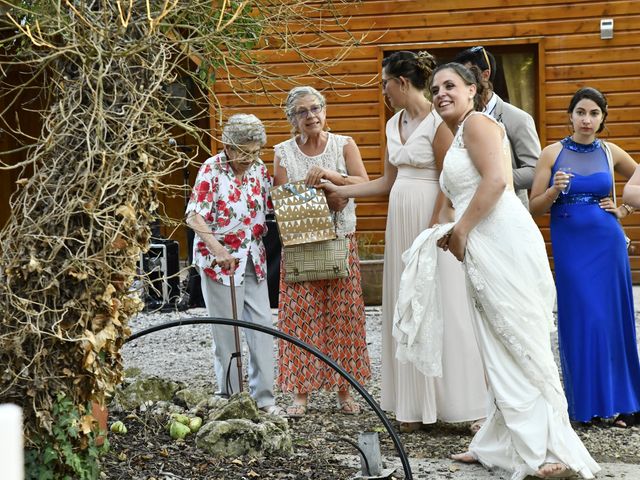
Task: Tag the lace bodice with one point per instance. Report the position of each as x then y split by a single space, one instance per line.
298 164
460 178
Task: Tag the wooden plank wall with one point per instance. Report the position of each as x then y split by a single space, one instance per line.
571 54
19 110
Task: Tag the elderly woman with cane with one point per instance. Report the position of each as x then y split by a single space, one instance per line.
227 212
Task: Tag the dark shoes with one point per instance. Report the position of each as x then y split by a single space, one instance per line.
622 420
626 420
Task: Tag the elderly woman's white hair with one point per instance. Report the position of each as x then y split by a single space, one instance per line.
297 93
242 129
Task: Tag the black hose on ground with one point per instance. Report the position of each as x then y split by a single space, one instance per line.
298 343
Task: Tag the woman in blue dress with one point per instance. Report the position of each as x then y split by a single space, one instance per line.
596 322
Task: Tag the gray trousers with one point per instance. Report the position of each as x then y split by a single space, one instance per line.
252 299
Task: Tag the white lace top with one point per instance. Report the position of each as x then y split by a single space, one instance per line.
298 164
460 178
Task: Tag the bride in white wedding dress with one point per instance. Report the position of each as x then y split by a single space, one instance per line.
527 431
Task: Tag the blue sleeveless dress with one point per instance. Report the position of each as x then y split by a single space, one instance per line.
596 323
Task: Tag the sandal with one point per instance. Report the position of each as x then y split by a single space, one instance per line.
348 406
477 425
297 410
273 410
624 420
589 423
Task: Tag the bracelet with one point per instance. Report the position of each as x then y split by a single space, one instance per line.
628 208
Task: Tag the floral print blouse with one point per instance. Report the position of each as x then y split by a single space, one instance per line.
235 210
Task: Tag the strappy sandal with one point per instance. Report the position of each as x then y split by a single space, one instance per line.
297 410
477 425
348 406
624 420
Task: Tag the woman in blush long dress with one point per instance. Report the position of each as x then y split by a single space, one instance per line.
527 431
417 141
596 317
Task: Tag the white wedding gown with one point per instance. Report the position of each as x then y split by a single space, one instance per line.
513 295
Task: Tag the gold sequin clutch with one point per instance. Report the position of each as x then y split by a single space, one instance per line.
302 214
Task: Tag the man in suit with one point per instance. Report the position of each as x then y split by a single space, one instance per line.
520 127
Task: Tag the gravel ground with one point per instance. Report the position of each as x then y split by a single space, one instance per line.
184 354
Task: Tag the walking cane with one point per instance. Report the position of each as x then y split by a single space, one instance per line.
236 332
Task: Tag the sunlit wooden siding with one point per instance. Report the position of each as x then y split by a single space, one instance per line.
571 55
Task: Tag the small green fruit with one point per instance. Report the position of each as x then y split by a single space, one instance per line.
178 430
183 419
194 424
118 427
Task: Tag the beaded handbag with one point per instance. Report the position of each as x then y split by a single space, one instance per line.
317 261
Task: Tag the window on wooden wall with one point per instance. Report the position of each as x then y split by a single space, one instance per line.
516 77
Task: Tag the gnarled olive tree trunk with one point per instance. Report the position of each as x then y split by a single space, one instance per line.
81 217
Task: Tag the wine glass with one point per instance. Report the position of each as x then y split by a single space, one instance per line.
566 170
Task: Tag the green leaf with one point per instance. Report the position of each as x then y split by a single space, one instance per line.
49 455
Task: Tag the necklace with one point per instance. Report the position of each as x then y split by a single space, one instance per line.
405 120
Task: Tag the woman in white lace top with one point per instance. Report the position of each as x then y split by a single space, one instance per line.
328 314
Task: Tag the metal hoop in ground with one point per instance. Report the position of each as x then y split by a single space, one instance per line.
298 343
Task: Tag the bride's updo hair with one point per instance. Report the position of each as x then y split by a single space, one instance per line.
415 67
470 76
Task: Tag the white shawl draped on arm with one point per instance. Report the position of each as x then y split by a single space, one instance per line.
418 324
